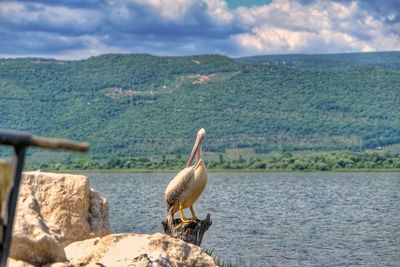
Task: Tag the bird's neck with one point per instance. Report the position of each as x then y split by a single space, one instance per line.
199 154
200 166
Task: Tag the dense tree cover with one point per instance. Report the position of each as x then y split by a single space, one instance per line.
282 162
335 102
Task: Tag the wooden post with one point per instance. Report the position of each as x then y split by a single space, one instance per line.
191 232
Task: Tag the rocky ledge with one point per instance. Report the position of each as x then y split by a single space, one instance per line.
61 221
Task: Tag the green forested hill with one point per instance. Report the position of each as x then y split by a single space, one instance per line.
140 105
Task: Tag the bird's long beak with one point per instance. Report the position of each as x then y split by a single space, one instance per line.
195 149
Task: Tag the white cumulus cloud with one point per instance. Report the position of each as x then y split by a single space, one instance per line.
322 26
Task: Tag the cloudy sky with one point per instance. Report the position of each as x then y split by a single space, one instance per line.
75 29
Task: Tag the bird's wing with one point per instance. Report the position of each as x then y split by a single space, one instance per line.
178 185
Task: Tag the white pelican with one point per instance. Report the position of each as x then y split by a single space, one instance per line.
187 185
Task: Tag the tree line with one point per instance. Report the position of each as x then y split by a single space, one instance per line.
281 162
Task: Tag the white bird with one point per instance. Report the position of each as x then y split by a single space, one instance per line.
186 187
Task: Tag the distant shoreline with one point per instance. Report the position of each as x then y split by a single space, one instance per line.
218 171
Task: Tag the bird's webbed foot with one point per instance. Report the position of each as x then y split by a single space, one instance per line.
184 220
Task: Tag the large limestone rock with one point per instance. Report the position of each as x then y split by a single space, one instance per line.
67 201
136 250
55 210
34 240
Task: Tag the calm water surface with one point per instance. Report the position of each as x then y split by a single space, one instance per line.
275 219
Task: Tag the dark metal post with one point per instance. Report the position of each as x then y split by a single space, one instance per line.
19 157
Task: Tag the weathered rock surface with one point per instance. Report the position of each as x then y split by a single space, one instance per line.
34 240
67 201
137 250
98 214
53 211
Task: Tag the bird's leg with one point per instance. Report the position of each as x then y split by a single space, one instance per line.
183 219
194 217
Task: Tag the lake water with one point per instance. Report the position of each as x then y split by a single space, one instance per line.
274 219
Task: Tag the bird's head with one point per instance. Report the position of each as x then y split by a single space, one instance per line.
201 133
197 144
